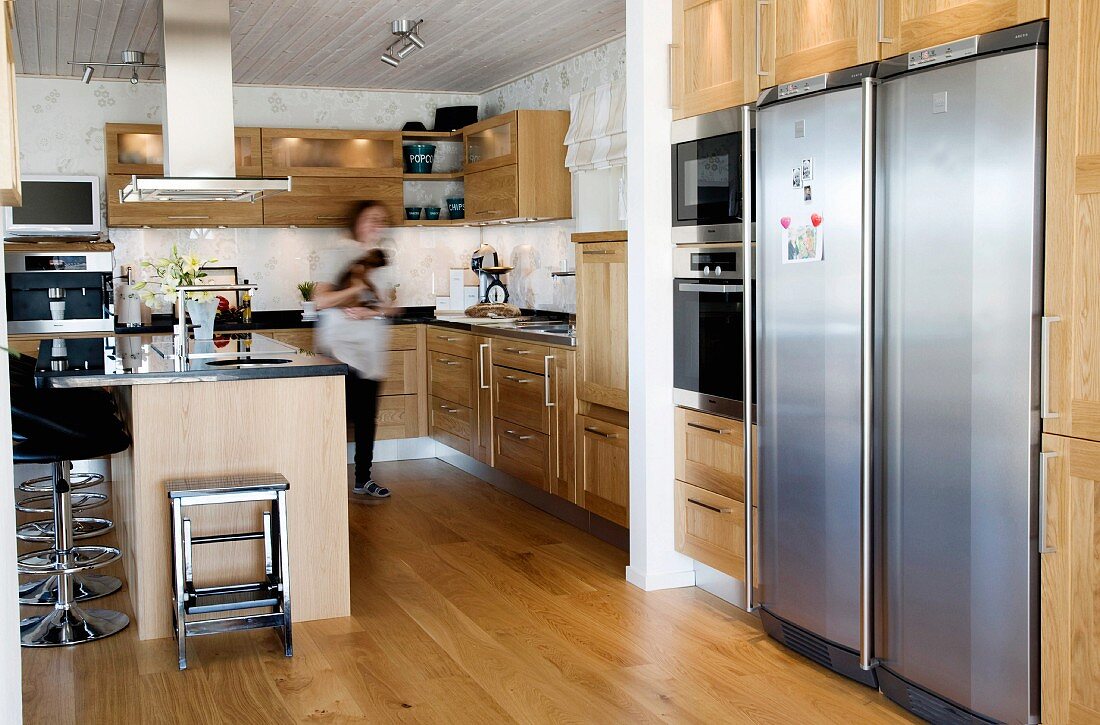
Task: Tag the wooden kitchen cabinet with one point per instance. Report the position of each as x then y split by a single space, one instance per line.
11 191
453 389
563 432
322 152
710 453
715 55
1070 629
178 213
710 528
301 338
602 369
522 397
603 467
483 434
803 38
522 452
515 167
913 24
324 201
138 148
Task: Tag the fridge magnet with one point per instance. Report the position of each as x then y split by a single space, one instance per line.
802 244
796 181
807 193
807 170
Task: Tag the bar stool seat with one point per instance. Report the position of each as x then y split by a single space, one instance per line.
273 592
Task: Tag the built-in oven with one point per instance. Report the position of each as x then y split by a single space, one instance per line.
707 177
708 328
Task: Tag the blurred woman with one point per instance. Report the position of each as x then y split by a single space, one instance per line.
352 330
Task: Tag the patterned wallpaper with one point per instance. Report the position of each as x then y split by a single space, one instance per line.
61 132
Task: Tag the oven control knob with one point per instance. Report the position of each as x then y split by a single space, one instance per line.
717 271
706 269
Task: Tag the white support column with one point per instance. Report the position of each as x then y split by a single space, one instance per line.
654 563
11 683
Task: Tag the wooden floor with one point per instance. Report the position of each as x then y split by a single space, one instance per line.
469 606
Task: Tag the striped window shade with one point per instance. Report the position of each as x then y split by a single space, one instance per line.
597 128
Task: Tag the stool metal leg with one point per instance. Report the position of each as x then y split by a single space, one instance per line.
284 571
178 614
67 623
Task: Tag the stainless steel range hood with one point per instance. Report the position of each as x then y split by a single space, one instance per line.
199 154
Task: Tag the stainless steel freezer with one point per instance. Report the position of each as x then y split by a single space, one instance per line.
898 350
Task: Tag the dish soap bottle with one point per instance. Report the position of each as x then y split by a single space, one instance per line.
246 305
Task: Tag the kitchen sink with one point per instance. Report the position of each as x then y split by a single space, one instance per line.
248 362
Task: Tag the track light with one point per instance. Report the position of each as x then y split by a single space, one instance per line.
407 38
390 60
131 59
415 39
405 50
88 73
134 78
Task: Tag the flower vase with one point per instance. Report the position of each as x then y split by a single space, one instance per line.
309 311
202 318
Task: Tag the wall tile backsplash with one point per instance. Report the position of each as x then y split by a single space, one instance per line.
61 132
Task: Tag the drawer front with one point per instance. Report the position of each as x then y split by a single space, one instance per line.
604 469
710 452
400 373
522 452
403 337
330 202
520 355
451 424
301 339
397 417
451 378
711 528
520 397
178 213
451 342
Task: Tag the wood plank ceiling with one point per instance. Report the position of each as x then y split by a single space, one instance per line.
473 45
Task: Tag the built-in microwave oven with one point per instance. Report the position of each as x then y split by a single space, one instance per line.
707 186
708 295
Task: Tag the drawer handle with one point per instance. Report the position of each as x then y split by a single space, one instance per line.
518 436
444 338
708 507
449 410
446 362
598 251
487 212
514 379
708 429
597 431
517 351
332 216
190 216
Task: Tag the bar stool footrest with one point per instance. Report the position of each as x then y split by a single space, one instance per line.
80 558
201 627
77 481
84 527
232 598
42 503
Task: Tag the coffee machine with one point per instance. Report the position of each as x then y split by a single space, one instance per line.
59 291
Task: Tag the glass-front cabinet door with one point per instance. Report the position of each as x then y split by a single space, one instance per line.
138 148
492 143
315 152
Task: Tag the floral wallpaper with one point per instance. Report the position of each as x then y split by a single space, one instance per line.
61 132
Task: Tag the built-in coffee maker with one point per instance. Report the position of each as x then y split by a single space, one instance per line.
59 292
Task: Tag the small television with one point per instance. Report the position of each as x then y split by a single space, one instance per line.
55 205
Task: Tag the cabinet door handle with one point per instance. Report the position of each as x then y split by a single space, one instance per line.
332 216
597 251
673 76
514 379
1044 368
1044 463
708 507
189 216
487 212
546 380
708 429
449 410
481 365
518 436
446 361
517 351
759 44
600 433
882 23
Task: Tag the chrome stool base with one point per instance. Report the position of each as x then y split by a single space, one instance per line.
70 625
85 587
77 559
84 527
77 481
43 502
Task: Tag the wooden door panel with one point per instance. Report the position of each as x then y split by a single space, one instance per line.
913 24
604 468
714 45
810 37
493 194
602 367
449 377
520 397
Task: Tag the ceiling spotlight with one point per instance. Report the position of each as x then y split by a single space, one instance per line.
131 59
415 39
134 78
390 60
88 72
405 50
406 42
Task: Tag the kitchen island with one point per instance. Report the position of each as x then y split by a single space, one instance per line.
207 417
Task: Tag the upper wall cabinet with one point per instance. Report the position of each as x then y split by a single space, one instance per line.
138 148
11 193
515 167
308 152
803 38
716 55
912 24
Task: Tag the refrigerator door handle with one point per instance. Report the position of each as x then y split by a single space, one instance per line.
867 329
749 337
1044 368
1044 464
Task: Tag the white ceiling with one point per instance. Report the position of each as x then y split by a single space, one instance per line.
473 45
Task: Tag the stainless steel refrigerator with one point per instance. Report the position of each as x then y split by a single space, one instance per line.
900 227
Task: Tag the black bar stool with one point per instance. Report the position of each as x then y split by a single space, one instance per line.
48 428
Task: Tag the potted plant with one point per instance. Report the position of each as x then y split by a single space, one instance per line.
309 307
175 271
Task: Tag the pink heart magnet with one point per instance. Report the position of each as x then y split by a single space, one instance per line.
785 221
815 219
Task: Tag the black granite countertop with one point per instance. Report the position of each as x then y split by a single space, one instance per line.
114 360
271 320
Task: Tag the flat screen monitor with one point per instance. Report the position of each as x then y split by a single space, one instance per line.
56 205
